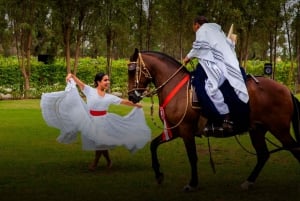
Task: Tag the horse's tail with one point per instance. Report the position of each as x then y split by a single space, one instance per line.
296 118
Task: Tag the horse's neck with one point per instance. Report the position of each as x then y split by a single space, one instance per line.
166 80
164 73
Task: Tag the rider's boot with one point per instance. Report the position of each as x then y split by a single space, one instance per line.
227 123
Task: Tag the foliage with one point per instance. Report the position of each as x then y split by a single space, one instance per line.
281 71
51 77
111 29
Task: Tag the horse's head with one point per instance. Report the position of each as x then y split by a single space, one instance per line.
138 77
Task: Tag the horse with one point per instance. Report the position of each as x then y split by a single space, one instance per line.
273 108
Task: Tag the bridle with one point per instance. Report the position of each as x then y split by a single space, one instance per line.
140 68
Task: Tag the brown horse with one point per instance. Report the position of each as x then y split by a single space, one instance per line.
272 107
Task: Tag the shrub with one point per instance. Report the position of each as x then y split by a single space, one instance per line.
51 77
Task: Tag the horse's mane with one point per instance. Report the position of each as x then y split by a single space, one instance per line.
163 55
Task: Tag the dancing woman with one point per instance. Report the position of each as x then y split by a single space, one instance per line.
100 130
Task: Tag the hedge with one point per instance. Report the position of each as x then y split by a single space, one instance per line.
51 77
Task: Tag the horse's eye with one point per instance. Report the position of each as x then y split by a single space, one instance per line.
132 66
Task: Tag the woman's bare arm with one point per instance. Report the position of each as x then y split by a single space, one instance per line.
76 79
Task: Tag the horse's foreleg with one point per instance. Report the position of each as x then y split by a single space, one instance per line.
258 141
192 155
155 163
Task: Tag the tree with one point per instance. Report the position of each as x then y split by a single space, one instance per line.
113 28
82 17
113 23
64 12
21 17
295 39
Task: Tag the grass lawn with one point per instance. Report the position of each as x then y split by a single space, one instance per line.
33 166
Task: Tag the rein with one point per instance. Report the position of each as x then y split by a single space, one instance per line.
171 77
141 65
167 134
276 149
167 130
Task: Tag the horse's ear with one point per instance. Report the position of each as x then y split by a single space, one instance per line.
135 55
136 51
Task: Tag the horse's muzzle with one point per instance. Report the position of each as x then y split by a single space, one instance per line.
134 96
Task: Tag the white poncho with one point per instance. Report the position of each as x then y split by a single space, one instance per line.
217 56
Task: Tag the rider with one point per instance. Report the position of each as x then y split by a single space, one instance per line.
216 55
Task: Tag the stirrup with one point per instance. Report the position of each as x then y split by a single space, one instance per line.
226 121
227 125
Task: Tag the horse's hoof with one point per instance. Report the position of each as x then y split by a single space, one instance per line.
92 167
160 178
247 185
189 188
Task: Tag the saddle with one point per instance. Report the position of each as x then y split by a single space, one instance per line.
210 122
207 128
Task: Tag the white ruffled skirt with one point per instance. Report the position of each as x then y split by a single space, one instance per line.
66 111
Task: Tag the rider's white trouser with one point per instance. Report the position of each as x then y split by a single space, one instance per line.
214 81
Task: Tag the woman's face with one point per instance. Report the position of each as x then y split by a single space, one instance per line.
104 83
196 26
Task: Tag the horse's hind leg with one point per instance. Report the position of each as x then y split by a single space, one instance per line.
296 152
257 136
289 143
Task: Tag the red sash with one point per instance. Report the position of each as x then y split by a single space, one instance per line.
97 113
167 134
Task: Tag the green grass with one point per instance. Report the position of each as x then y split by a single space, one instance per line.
33 166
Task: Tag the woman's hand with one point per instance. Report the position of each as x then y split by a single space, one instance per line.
68 77
138 105
129 103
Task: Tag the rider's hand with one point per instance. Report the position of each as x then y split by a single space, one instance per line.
186 60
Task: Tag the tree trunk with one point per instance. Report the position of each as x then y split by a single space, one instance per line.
108 51
275 51
149 26
298 54
140 29
67 36
77 52
27 69
298 60
78 40
23 37
180 29
271 47
291 71
246 49
298 70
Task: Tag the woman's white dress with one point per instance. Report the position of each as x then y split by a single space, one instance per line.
66 111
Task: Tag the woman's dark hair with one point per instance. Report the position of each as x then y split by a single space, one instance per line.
200 20
98 77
